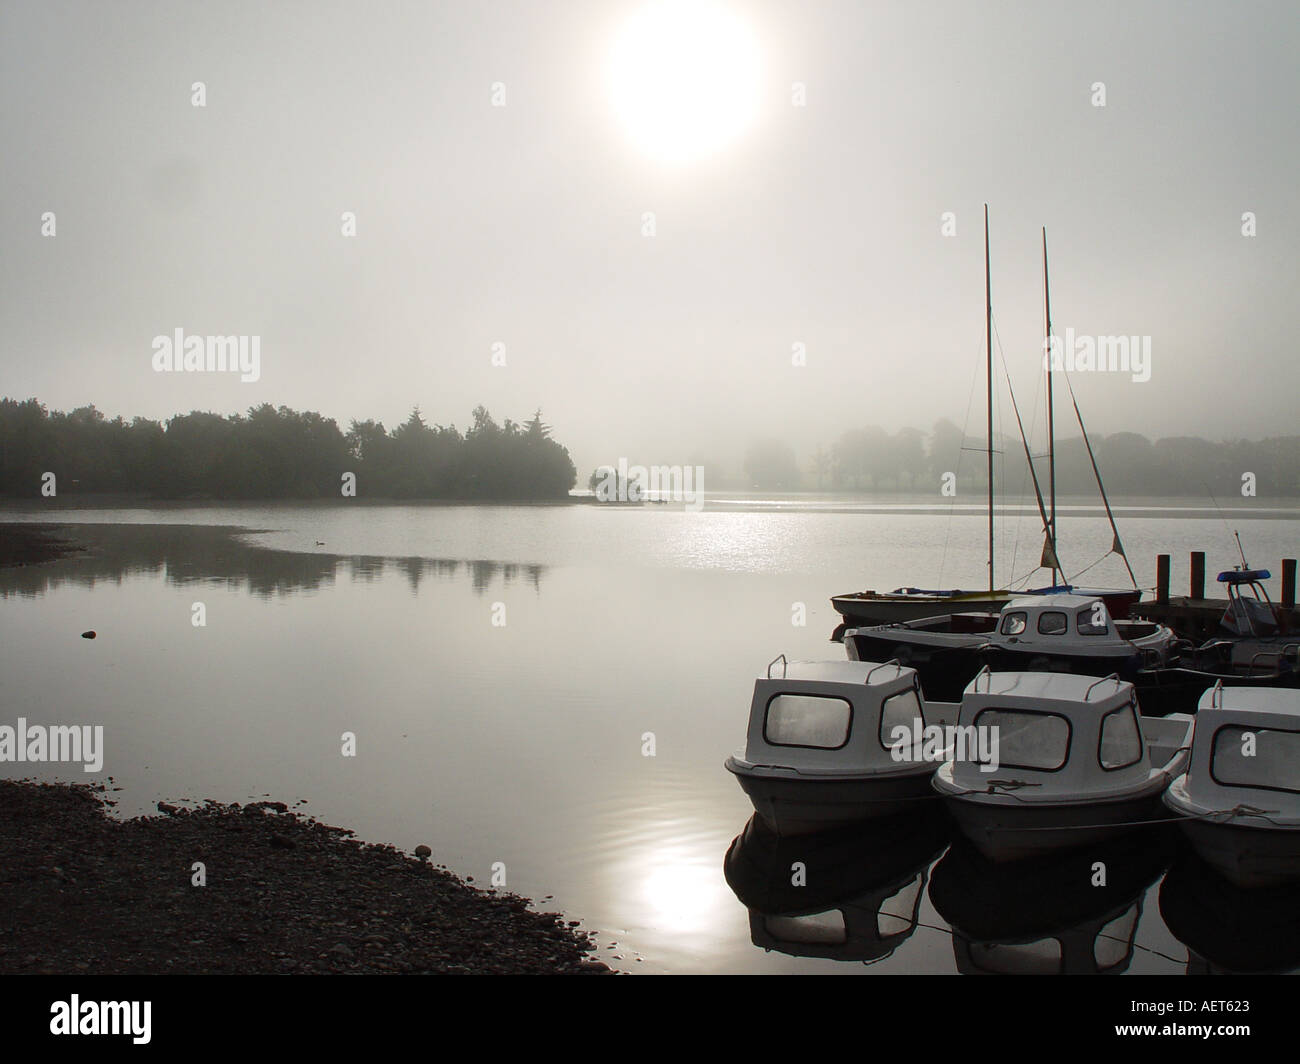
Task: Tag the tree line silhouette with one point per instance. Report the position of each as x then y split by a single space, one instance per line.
276 452
872 459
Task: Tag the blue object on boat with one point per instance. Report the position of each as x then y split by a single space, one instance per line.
1244 576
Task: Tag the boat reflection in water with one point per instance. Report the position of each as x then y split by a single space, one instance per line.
849 894
1227 928
1053 914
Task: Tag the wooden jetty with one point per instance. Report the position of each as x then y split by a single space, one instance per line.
1196 617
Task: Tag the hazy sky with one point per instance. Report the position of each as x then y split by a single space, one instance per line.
523 224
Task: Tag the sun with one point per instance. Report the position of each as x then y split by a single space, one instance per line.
683 79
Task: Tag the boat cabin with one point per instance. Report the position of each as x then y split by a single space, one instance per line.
1246 752
829 716
1061 734
1064 623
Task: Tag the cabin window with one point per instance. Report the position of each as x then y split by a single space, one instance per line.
1052 623
1014 623
902 710
1039 741
808 720
1092 622
1255 757
1121 739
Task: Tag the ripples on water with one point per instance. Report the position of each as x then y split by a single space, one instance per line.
523 743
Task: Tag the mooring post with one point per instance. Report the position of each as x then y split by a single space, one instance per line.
1198 574
1162 579
1288 583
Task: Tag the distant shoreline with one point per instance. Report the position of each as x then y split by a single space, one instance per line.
76 500
110 500
34 544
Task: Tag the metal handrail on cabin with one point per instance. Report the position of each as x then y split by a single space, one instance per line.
1216 695
884 664
1275 656
1087 695
984 672
785 665
1279 654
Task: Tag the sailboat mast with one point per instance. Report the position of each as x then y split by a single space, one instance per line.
1051 423
988 347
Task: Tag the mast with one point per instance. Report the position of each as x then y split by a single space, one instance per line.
988 348
1051 424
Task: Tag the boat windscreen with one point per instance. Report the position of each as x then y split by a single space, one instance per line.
817 721
1256 757
899 718
1121 739
1031 740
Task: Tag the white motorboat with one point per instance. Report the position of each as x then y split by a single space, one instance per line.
1077 763
821 748
1062 633
866 608
1241 791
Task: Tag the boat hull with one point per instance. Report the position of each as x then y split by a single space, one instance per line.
868 607
1003 659
1178 690
803 806
945 671
1002 832
1246 856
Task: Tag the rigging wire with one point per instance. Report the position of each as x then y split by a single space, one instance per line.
1117 546
1038 495
1015 543
1222 516
961 450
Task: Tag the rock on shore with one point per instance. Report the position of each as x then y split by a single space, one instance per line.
81 891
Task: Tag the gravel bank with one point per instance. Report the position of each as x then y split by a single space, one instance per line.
81 891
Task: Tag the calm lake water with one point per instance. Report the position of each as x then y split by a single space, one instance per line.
522 742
